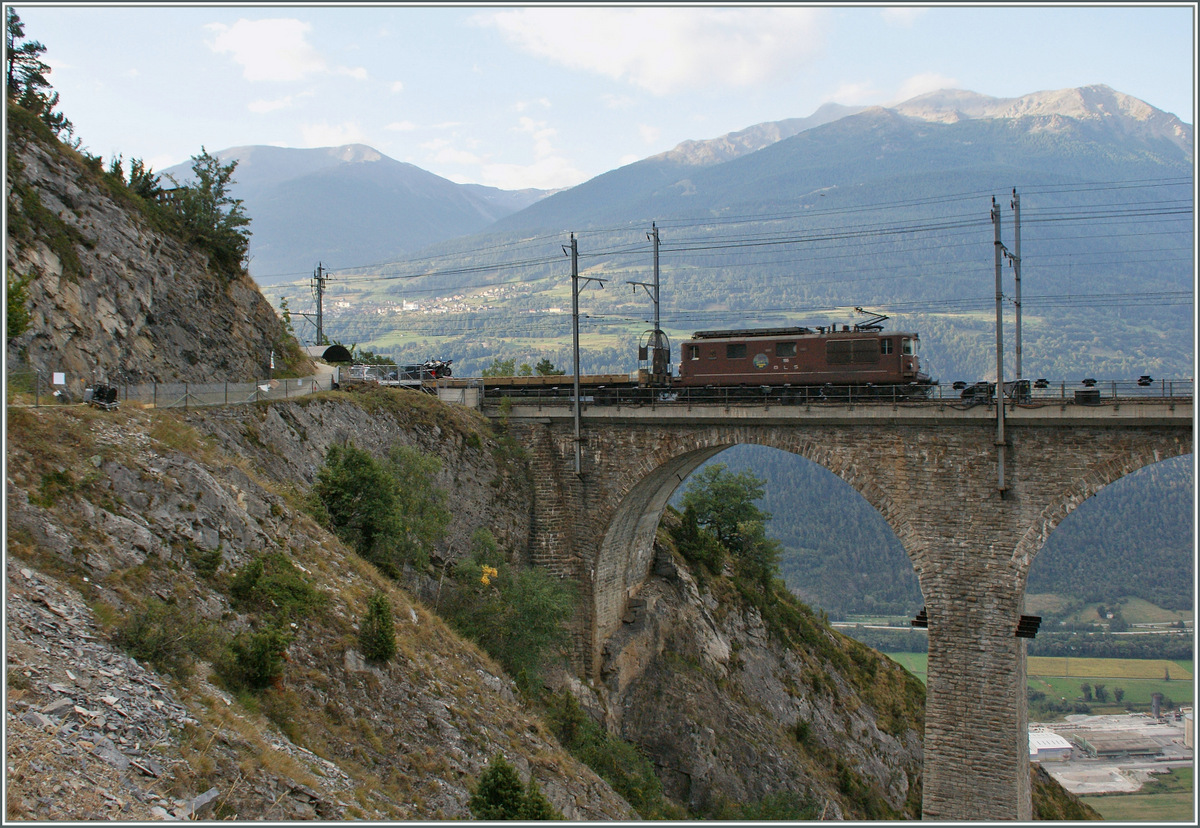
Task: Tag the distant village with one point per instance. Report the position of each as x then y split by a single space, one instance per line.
473 302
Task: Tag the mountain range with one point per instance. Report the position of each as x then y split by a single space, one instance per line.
351 206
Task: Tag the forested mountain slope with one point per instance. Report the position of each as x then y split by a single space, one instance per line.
1135 538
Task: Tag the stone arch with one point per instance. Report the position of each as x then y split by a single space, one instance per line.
1080 490
624 556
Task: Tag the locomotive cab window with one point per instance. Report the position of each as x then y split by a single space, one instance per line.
735 350
910 346
785 349
885 346
693 352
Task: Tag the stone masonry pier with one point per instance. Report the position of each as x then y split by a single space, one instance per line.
932 472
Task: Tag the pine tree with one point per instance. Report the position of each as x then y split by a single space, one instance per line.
500 795
25 76
211 213
377 634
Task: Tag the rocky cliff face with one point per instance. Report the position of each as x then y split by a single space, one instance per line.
732 710
113 296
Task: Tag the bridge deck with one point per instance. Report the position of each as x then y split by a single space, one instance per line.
1140 412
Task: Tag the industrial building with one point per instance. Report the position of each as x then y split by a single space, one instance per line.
1117 744
1048 746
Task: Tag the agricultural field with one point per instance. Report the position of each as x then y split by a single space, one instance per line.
1061 678
1109 668
1166 798
1137 612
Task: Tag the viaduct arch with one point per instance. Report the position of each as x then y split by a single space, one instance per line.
932 475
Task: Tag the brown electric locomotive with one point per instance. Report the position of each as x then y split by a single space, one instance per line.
860 356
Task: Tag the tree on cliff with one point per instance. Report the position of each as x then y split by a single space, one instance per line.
723 501
500 795
211 214
25 76
724 504
389 511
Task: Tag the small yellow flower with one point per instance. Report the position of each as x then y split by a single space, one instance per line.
489 572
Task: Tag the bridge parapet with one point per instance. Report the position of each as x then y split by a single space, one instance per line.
930 414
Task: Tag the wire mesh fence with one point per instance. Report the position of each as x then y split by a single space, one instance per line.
35 388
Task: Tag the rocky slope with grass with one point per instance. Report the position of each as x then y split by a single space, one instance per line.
111 291
116 517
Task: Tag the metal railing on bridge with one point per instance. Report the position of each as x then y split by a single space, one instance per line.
1026 393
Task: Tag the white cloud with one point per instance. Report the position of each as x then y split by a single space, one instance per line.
524 106
650 134
854 94
617 101
401 126
263 106
397 87
269 50
331 135
544 174
665 50
275 49
442 153
902 17
541 134
928 82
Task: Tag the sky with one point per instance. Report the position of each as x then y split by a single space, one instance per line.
550 96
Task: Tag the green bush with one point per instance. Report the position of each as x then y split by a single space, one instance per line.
206 563
377 633
165 636
500 795
629 772
697 544
17 316
517 615
389 511
254 659
272 586
783 806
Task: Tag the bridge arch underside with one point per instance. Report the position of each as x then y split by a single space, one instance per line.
970 545
625 554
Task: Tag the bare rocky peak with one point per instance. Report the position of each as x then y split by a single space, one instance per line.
1095 103
356 153
1086 103
734 144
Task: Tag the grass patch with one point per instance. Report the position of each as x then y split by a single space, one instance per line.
915 663
1108 668
1138 692
1166 798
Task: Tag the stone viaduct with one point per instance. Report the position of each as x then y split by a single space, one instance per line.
932 472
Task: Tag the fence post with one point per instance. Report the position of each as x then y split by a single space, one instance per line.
37 388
